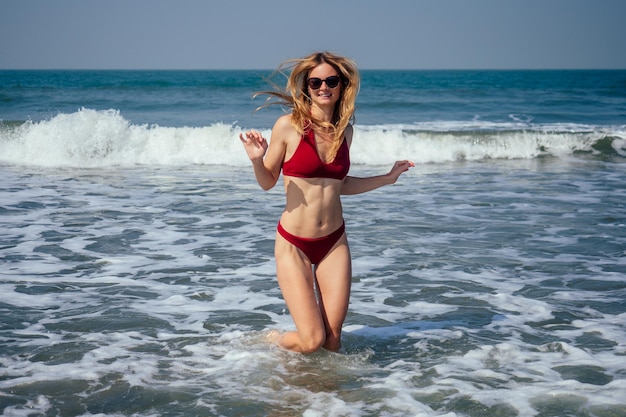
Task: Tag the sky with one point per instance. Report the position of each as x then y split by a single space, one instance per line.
260 34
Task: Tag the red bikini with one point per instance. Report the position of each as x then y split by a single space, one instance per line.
306 163
315 248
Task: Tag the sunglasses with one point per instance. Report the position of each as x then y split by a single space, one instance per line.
331 82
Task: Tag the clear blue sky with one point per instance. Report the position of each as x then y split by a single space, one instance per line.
259 34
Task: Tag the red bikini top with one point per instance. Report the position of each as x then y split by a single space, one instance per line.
306 163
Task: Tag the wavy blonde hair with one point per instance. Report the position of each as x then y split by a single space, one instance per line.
296 95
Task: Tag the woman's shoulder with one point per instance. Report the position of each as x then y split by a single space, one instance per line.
285 128
284 123
284 132
348 132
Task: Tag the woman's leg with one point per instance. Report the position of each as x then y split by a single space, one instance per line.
295 278
334 278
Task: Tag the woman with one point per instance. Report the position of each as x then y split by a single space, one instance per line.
311 145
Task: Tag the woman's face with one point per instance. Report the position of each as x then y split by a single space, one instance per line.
325 95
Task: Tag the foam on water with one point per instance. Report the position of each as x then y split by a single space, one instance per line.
90 138
137 275
480 288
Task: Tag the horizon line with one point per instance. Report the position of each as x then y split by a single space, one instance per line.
360 69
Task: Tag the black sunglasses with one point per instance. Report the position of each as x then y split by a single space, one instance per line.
316 83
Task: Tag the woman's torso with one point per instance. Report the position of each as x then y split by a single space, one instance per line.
313 207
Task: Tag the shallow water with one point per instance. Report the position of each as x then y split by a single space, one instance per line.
137 272
490 288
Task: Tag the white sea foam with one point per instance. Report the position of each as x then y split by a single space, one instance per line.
494 286
89 138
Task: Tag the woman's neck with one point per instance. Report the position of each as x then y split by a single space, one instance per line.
324 114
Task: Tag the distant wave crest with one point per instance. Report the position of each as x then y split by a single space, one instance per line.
90 138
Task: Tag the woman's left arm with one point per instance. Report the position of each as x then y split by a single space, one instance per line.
356 185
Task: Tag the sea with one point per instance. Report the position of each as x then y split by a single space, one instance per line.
137 271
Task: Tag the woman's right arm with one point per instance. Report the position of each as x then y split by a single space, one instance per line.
267 160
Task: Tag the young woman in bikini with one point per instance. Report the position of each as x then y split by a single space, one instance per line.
311 146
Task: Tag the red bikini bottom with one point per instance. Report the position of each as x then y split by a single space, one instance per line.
315 248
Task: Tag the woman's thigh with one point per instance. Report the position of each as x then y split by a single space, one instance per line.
296 281
334 279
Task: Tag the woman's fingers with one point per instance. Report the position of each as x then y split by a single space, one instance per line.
404 165
252 136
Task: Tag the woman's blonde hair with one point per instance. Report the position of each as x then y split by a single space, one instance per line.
296 95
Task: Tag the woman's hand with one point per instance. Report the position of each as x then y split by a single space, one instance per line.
254 144
398 168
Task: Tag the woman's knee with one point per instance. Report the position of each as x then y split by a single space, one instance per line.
332 343
313 342
328 341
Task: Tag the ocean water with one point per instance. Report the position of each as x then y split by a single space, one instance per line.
136 249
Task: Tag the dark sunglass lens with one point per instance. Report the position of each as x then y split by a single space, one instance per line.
315 83
332 82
